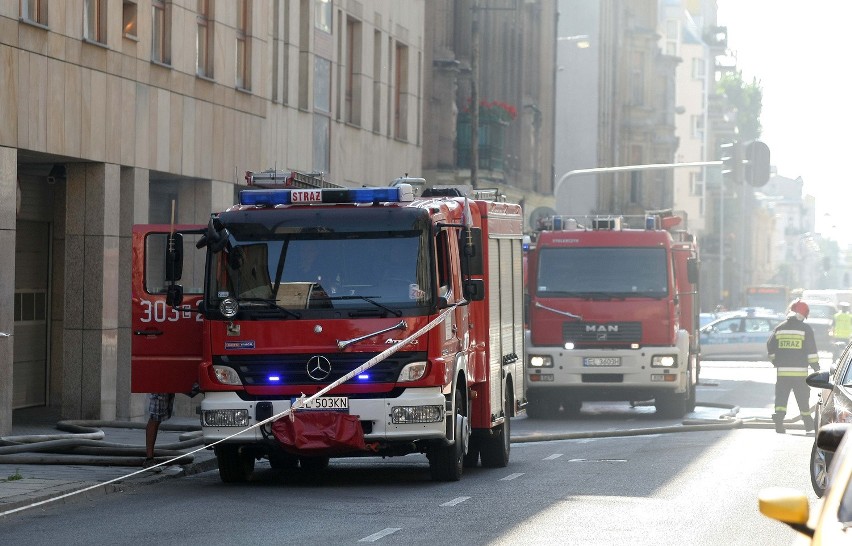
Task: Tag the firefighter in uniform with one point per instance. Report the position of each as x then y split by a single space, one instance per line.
843 324
792 348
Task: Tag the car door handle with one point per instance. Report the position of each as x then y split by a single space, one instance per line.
148 332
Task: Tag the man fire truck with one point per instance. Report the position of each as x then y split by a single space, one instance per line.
408 309
613 315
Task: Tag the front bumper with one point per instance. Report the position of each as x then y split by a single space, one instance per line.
374 414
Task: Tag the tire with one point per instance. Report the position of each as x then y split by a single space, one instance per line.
671 405
820 460
571 408
691 400
495 448
446 462
471 458
234 465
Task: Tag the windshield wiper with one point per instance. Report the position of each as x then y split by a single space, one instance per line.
271 303
394 312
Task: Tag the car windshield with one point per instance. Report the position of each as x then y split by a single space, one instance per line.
602 272
329 271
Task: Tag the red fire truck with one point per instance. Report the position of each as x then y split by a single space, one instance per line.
613 314
296 288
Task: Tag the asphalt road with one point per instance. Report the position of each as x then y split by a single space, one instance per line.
653 488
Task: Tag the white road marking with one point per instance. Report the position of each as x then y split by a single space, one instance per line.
551 457
455 501
512 476
597 460
381 534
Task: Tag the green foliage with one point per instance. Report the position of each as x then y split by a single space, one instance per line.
13 477
747 100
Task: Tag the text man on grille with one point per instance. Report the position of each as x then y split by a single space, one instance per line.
792 348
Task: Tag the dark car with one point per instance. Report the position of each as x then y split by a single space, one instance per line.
834 406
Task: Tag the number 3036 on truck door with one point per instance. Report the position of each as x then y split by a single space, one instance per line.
158 311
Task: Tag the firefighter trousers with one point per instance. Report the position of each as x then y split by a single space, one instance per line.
786 383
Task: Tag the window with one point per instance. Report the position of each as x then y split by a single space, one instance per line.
322 15
637 82
400 93
244 44
34 11
697 123
161 29
696 184
129 10
352 106
94 21
30 306
280 52
322 84
204 45
377 81
699 71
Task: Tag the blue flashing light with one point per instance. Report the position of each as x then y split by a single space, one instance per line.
364 376
273 197
371 195
274 378
264 198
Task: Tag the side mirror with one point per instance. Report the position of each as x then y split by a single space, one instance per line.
474 290
692 270
470 250
819 380
174 295
174 257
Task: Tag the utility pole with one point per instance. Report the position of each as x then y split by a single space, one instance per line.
474 94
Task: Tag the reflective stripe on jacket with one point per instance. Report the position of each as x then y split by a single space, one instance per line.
792 345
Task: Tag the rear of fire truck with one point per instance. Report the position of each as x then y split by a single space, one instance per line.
346 312
612 315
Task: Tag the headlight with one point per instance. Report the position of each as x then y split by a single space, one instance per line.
226 375
664 361
403 415
541 362
412 372
229 307
225 418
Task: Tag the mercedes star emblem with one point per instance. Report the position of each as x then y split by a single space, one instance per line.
319 368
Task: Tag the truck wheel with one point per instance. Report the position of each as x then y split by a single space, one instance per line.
446 463
691 400
495 448
471 458
819 469
234 465
670 404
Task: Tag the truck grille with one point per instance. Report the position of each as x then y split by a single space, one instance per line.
608 335
287 369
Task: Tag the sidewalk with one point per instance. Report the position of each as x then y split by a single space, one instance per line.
35 477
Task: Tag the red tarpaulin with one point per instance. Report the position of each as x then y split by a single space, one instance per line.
319 433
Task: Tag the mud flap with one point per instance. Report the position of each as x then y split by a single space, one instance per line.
325 433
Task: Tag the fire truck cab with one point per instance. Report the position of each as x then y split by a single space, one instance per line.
299 287
613 314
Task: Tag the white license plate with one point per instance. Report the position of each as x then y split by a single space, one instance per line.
602 361
326 403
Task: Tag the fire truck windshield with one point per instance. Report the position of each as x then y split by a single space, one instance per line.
366 271
602 272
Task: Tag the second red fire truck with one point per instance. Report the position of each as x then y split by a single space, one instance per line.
613 314
296 289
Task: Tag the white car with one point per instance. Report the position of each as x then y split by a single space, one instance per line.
739 335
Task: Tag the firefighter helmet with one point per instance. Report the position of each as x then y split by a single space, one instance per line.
800 308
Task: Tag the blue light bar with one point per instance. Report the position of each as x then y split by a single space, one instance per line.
264 198
274 378
364 376
273 197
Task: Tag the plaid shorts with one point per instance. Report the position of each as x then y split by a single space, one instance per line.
161 405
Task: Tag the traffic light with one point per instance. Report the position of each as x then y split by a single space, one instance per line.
757 163
732 162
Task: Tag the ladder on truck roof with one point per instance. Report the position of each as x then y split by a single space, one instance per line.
271 179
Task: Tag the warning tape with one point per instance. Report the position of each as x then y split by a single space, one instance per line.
299 403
